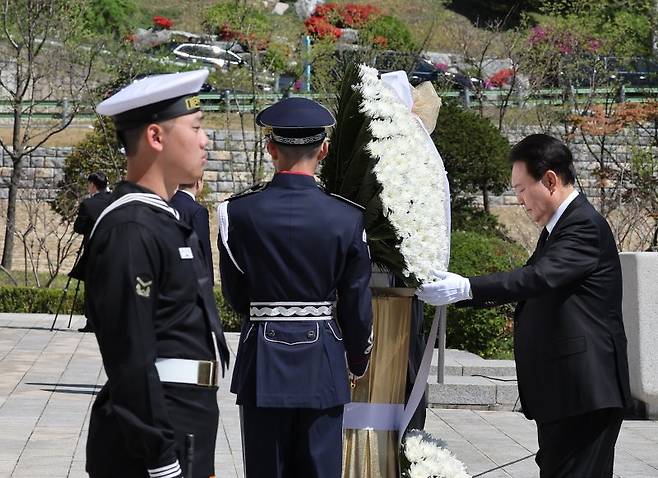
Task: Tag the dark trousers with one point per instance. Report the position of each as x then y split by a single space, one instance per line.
579 447
113 453
292 442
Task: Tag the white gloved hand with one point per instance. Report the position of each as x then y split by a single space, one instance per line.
448 289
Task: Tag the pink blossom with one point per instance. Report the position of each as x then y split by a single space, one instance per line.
594 44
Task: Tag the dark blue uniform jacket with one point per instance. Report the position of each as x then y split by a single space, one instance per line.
292 242
196 216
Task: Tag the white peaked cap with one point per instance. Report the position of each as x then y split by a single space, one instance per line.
151 90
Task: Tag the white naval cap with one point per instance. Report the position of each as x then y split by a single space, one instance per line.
154 98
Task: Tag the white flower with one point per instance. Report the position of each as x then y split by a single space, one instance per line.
412 176
429 458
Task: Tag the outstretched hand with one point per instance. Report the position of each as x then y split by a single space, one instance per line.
447 289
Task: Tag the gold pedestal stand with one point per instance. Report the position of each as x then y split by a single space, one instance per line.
374 453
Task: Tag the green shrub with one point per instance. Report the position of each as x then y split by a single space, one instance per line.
486 332
389 32
245 23
231 321
468 216
100 150
110 16
34 300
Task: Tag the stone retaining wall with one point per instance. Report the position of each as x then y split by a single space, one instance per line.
230 160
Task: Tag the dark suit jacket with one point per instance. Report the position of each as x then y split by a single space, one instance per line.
196 216
569 340
89 211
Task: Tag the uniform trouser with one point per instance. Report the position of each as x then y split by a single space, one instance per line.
292 442
579 447
112 452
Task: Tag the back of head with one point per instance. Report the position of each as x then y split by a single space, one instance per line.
541 153
98 179
298 153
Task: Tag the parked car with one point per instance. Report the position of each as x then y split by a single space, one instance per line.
424 70
635 71
420 69
208 54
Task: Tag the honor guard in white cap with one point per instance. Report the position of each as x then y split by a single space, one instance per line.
294 264
152 307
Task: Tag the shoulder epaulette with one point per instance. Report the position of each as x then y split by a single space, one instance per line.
256 188
341 198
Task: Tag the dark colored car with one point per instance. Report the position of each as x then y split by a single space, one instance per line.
635 71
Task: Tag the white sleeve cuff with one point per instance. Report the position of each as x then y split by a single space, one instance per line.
169 471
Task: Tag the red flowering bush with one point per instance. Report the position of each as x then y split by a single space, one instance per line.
501 77
162 23
320 27
355 15
328 19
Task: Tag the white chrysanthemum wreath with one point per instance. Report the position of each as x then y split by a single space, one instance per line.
411 174
427 457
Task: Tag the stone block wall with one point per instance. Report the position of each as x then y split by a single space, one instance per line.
231 160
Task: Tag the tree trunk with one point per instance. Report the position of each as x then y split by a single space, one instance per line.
8 250
485 198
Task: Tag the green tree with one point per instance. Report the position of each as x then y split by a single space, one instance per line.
474 153
41 40
100 150
110 17
623 27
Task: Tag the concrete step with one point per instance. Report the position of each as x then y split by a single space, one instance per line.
474 392
473 382
463 363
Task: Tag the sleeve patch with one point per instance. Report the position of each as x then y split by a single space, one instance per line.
143 287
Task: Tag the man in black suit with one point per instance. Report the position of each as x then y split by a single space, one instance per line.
89 211
569 340
196 216
91 208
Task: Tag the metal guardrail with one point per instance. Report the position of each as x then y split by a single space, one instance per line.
244 102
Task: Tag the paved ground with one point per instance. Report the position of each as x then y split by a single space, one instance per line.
47 383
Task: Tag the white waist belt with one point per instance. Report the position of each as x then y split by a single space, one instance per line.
290 311
194 372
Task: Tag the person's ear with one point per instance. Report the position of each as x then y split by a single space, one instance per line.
324 150
550 181
154 135
272 149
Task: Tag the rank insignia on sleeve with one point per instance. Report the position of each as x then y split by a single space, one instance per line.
143 287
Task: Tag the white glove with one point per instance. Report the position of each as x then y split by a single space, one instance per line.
448 289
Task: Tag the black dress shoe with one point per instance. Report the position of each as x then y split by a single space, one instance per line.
86 328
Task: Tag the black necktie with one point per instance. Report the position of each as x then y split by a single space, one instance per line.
542 239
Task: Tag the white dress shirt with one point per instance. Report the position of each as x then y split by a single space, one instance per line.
560 210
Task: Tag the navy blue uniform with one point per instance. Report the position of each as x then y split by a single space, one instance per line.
295 265
196 216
